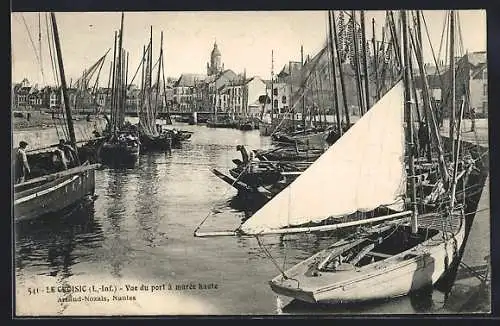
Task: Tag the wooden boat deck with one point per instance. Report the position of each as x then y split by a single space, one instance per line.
431 222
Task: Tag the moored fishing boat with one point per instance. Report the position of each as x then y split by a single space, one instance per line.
51 190
394 258
152 136
409 247
122 145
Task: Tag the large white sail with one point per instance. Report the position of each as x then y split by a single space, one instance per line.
363 170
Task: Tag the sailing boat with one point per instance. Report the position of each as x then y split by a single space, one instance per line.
152 137
393 258
122 145
405 251
55 191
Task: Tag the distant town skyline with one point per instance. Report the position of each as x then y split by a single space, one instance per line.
245 39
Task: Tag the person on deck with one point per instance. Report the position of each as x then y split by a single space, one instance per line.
423 139
472 119
69 153
59 158
22 165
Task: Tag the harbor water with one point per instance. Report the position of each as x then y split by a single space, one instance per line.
139 232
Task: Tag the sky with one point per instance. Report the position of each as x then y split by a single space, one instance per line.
245 39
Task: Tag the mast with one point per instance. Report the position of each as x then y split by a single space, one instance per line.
126 79
332 53
106 100
272 87
304 95
455 158
40 44
150 76
394 37
365 64
339 62
452 73
291 107
375 61
69 118
113 86
356 63
455 148
409 119
431 120
142 83
119 106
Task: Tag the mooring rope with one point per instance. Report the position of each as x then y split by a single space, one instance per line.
211 211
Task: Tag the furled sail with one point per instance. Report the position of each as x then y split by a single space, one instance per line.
363 170
147 117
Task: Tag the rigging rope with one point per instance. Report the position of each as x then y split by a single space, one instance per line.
31 40
232 184
268 254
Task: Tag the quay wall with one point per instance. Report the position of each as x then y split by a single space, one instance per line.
45 136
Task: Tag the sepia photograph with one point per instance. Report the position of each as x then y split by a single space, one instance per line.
250 163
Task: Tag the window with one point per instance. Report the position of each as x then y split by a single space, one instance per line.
275 103
283 100
485 107
275 92
485 89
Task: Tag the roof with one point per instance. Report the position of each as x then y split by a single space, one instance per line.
239 81
221 78
476 58
291 71
188 80
478 62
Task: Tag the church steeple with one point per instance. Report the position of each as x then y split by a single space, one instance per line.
215 65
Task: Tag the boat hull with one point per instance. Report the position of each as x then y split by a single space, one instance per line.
118 154
155 144
313 140
53 196
398 275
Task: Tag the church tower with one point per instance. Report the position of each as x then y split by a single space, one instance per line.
215 65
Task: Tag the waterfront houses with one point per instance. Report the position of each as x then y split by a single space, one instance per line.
184 92
471 77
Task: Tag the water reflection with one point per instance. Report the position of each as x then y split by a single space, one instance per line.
116 213
48 244
147 203
141 228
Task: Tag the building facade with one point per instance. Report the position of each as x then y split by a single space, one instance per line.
471 83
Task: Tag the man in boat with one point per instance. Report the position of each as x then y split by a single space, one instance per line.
22 165
254 162
59 157
244 153
69 152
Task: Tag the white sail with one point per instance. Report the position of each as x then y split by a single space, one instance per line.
363 170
